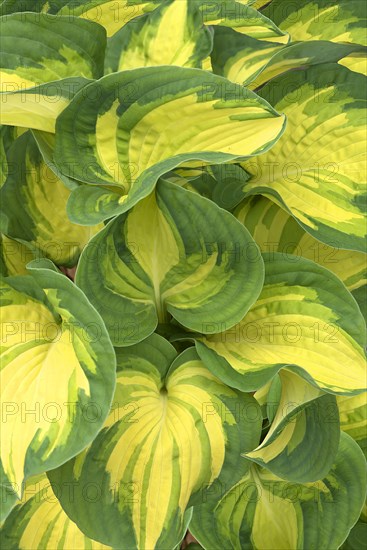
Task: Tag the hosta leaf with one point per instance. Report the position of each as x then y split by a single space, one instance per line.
58 373
46 145
121 131
174 428
305 54
243 18
355 62
338 21
252 62
13 6
353 418
39 107
223 184
8 134
305 419
239 57
357 537
275 230
35 201
265 511
360 296
317 171
110 14
173 34
39 48
305 320
175 253
38 521
14 257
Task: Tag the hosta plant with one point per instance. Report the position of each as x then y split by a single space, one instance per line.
183 274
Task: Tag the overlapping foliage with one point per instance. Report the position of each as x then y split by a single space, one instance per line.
202 164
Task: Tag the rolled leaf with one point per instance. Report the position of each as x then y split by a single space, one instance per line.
265 511
305 419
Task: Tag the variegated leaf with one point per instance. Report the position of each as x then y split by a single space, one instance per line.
121 132
243 18
173 34
57 374
38 107
275 230
337 21
38 521
174 254
305 418
40 48
304 320
174 430
318 170
252 62
263 511
353 418
14 257
34 199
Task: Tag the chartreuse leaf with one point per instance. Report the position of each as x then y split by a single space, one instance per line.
253 62
355 62
173 430
275 230
304 54
305 320
34 199
57 373
305 419
14 257
243 18
40 48
265 511
173 34
258 4
174 254
353 418
318 170
338 21
110 14
239 57
38 521
122 131
38 107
